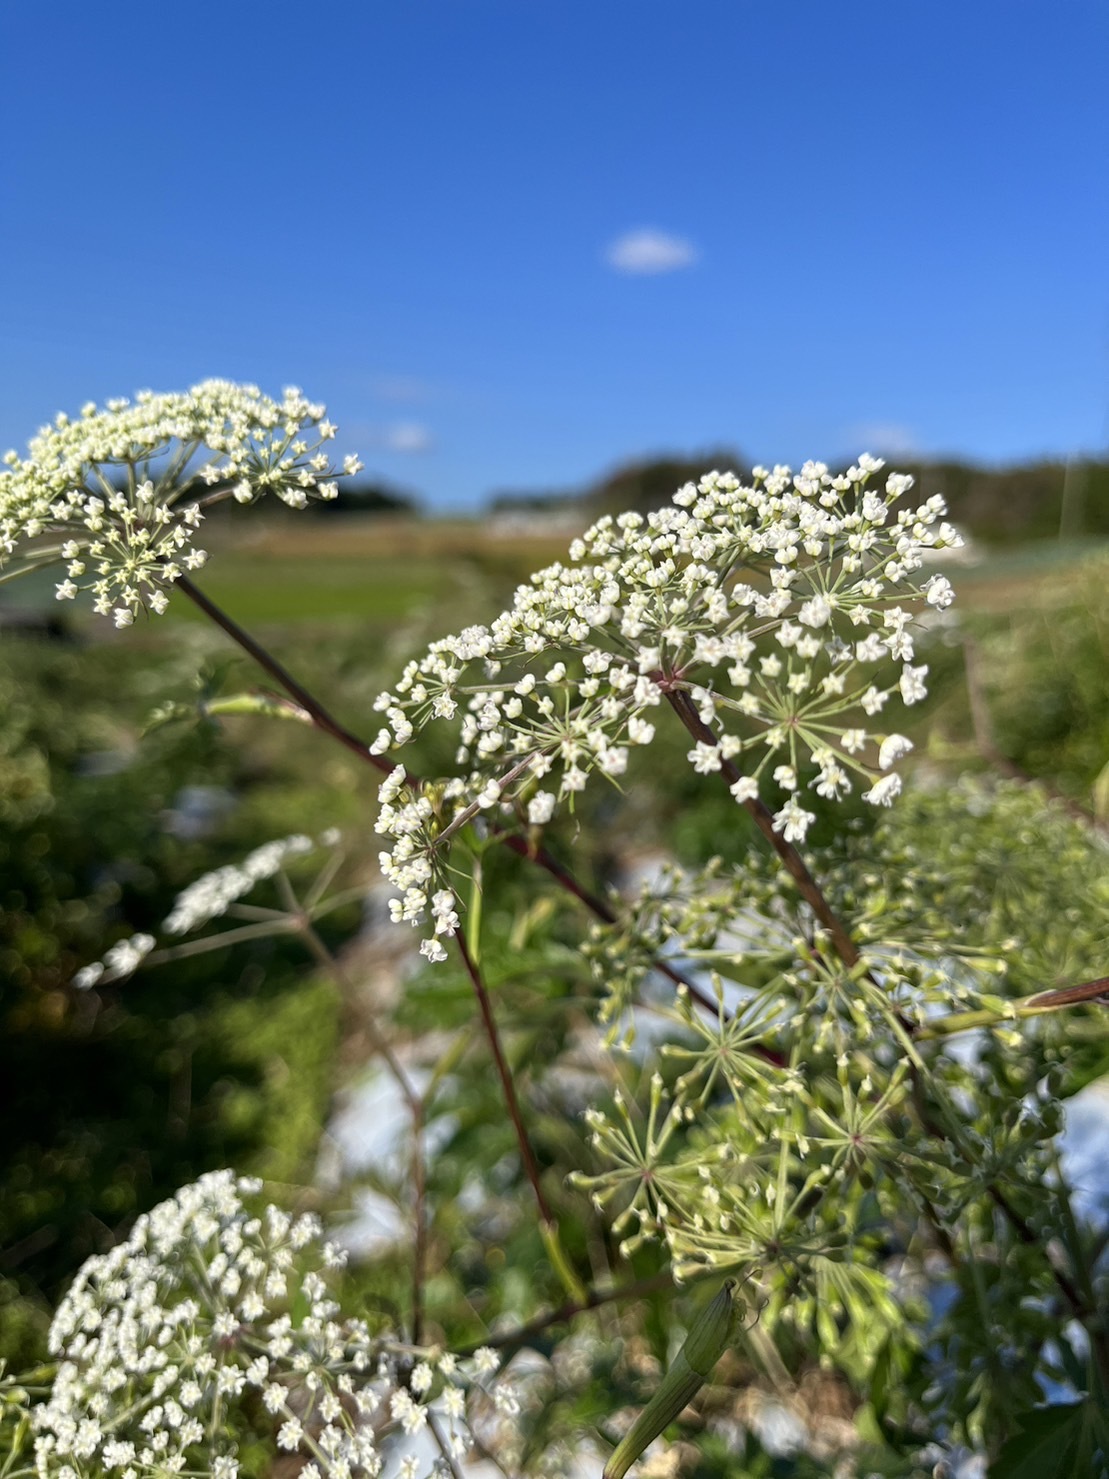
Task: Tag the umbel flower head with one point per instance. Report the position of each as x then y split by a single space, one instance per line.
208 897
778 612
117 494
210 1306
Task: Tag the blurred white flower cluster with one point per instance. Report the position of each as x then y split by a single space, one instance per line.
118 494
210 897
209 1311
212 894
778 611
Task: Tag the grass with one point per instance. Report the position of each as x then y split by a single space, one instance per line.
281 588
281 569
380 571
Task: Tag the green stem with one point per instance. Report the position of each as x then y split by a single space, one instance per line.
473 913
1032 1006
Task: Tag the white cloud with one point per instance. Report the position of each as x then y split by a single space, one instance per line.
647 252
401 388
882 436
407 436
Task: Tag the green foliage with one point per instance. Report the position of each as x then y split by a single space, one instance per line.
818 1136
1043 677
1057 1443
872 1148
126 1093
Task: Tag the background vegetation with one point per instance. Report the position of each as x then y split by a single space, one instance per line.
232 1058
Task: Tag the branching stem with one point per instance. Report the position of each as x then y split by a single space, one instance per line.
504 1073
534 852
792 860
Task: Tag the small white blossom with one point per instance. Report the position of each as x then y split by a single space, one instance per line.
882 792
893 747
815 613
411 1414
486 1361
911 684
639 731
793 821
939 592
541 807
705 758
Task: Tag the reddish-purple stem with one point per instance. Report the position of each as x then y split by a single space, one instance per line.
326 722
527 1155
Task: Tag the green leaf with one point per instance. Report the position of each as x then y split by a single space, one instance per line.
1060 1442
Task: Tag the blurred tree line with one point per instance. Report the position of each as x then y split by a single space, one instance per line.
1033 500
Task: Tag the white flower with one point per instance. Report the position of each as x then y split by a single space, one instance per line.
454 1404
873 700
939 592
793 821
125 957
213 893
121 959
421 1378
486 1361
870 649
893 747
273 1398
541 807
290 1433
815 613
639 731
150 1367
613 760
744 789
882 792
410 1414
704 758
490 793
912 685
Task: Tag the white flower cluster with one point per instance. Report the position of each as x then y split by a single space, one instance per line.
117 494
208 898
164 1340
774 609
211 895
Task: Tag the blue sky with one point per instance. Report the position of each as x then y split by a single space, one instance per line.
514 243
